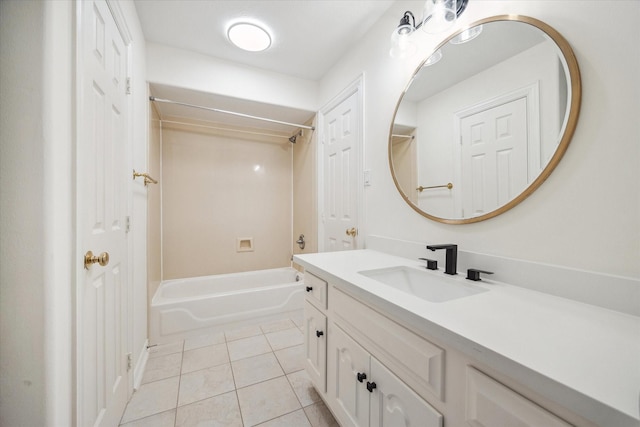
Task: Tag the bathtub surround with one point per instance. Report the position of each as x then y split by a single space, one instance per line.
217 189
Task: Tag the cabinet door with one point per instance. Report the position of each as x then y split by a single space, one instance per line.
489 403
315 346
347 375
394 404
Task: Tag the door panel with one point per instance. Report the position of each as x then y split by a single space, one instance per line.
102 151
340 175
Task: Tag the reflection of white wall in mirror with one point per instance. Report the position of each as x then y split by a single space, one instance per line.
435 118
403 149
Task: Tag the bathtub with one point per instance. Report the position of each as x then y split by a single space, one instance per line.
188 307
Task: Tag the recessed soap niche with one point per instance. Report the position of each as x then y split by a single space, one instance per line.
244 244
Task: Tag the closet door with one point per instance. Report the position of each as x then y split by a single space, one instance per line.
394 404
348 373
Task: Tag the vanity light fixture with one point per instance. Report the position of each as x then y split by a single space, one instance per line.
249 36
438 16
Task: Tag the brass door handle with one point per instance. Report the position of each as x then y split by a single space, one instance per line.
90 258
353 232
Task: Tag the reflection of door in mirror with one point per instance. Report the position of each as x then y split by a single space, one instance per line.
493 157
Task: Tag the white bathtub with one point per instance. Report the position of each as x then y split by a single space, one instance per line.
187 307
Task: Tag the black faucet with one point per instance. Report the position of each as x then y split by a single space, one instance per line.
451 260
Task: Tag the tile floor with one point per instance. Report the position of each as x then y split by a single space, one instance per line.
251 376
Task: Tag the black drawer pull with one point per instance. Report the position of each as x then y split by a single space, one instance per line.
319 334
309 288
361 376
371 386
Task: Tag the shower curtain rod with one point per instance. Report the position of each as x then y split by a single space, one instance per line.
153 98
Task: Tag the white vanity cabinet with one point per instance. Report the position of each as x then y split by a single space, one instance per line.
362 392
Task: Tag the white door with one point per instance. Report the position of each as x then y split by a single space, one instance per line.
315 345
340 164
347 375
494 145
394 404
102 149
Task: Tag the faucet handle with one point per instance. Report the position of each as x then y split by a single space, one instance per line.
432 264
473 274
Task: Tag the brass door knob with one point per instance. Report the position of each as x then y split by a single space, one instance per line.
89 258
353 232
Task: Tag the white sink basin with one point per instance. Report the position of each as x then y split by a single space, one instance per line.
423 284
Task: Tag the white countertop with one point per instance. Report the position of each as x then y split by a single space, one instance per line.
584 357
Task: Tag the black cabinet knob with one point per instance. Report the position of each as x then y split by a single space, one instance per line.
309 288
319 334
361 376
371 386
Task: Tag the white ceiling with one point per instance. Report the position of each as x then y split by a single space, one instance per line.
309 36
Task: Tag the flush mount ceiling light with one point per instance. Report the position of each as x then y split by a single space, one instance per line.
248 36
438 16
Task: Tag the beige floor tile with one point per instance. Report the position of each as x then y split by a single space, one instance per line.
218 411
244 332
255 369
164 349
205 383
294 419
286 338
204 340
266 400
152 398
277 325
162 367
320 416
204 357
303 388
298 319
248 347
163 419
291 358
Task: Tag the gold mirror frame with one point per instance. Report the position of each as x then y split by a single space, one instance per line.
572 120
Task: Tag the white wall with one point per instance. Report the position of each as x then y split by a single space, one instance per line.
190 70
35 175
587 214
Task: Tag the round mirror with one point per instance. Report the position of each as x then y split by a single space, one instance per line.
485 119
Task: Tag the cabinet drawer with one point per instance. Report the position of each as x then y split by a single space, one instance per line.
489 403
413 359
316 290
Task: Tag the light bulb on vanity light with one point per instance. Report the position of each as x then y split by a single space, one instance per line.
401 44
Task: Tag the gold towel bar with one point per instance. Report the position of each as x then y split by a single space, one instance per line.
147 178
448 185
